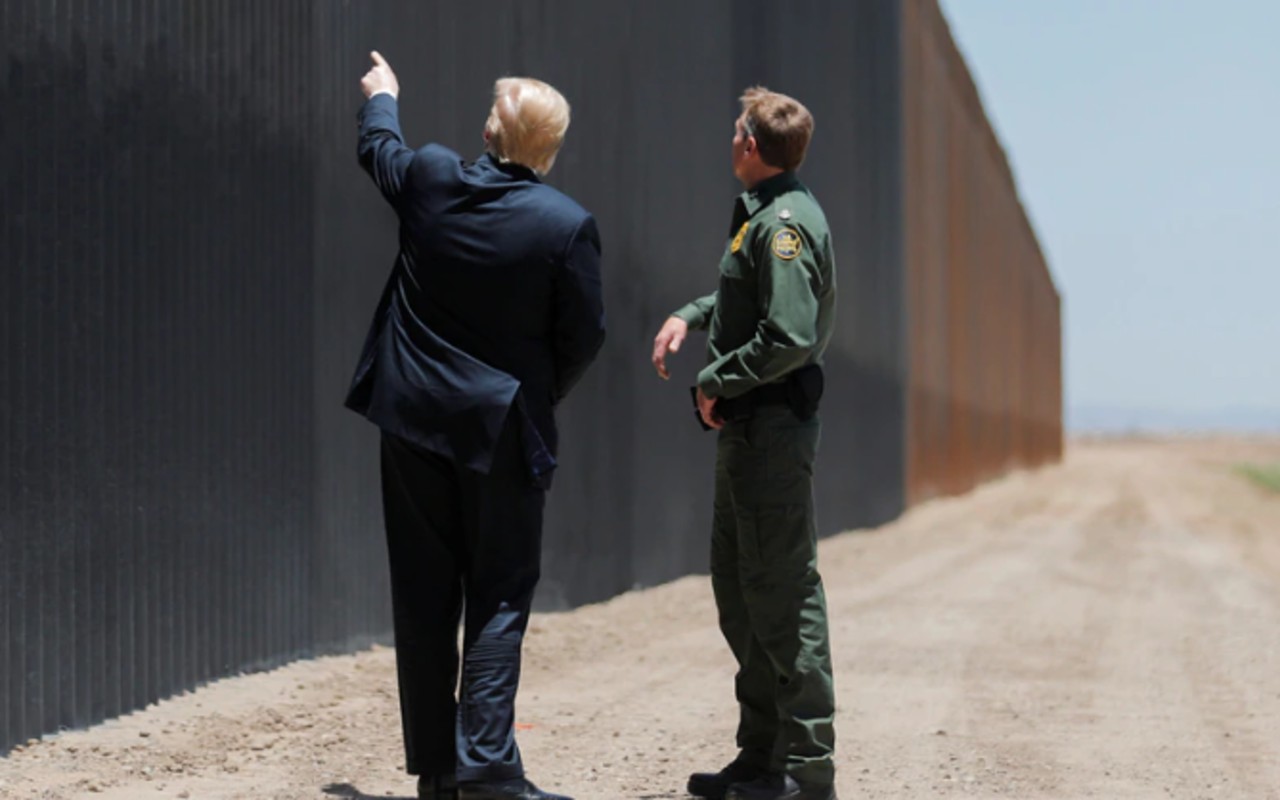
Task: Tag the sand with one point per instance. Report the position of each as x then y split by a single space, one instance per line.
1106 628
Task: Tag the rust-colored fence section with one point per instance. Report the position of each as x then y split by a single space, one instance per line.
984 388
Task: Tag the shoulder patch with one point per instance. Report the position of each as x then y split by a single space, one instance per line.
737 240
786 244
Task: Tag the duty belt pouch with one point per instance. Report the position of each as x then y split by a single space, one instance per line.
804 390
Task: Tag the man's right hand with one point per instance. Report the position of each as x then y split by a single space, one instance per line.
379 78
668 340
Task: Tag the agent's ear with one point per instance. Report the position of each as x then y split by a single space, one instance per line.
749 146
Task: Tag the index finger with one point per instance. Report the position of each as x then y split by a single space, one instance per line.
378 59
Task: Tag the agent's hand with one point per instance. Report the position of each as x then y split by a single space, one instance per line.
707 410
668 340
379 78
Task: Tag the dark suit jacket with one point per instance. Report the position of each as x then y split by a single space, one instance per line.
493 309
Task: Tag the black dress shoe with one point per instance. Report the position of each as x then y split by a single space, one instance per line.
437 787
514 789
778 787
713 785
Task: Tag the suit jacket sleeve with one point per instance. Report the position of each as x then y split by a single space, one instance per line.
579 308
382 150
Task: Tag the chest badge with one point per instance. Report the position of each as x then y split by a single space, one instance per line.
786 244
737 240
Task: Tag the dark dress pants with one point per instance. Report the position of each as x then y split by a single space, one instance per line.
460 543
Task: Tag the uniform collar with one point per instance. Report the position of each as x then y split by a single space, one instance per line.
763 193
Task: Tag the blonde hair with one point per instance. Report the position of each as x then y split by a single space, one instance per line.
527 123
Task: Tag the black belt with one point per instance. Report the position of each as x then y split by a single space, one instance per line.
800 390
734 409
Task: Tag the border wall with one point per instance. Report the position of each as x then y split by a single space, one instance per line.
190 255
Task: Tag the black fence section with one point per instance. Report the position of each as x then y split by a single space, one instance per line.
191 255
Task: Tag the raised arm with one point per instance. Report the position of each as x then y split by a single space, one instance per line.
382 150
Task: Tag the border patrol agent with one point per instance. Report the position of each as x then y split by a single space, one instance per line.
491 315
769 321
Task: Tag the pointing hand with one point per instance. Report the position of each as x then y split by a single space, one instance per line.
379 78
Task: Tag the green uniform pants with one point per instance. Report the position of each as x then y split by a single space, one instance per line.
764 570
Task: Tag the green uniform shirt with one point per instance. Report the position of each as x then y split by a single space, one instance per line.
775 307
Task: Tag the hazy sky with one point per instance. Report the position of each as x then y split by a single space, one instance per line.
1145 137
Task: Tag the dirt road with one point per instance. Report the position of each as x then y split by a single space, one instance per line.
1109 628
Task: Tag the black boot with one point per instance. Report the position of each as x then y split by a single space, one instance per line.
514 789
437 787
713 785
779 787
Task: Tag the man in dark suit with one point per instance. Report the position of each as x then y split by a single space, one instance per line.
492 313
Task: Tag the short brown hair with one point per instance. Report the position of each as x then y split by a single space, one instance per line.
781 125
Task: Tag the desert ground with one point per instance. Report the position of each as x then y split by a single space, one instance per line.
1104 628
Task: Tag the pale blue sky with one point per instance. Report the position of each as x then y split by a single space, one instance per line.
1145 138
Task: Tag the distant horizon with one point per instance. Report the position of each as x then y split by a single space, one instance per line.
1118 419
1142 138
